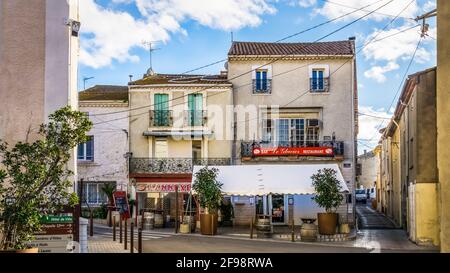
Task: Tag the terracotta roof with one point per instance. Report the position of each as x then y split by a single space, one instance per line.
181 79
277 49
104 92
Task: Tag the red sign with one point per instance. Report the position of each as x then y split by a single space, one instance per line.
163 187
121 202
286 151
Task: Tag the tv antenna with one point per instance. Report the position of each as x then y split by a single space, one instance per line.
150 44
85 79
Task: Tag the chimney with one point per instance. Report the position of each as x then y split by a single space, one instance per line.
353 38
365 152
224 73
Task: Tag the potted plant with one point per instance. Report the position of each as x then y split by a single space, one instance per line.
328 196
109 189
209 192
35 180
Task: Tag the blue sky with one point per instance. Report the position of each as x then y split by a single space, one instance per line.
197 32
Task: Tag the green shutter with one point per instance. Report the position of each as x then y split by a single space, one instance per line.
161 109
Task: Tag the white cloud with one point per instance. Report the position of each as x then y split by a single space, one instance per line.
111 34
369 125
429 6
377 72
338 8
306 3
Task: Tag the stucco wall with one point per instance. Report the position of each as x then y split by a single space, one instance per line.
110 146
443 119
369 167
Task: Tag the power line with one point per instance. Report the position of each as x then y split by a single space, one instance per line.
363 114
278 58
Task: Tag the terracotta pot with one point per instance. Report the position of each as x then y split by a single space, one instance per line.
208 224
29 250
327 223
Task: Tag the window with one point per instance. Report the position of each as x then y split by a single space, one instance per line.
195 113
161 148
162 116
289 133
86 150
261 82
318 82
93 193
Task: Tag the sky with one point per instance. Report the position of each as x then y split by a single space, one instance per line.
192 33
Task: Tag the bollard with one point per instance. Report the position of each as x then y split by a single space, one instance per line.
251 228
293 232
140 240
114 228
120 230
126 235
132 237
91 225
142 220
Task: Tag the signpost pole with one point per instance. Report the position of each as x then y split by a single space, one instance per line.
140 240
91 224
176 210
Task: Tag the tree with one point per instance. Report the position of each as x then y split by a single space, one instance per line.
328 190
207 187
34 177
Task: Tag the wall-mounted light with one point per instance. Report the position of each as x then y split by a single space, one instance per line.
75 27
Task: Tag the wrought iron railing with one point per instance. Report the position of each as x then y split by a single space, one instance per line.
262 88
161 118
247 147
172 165
319 85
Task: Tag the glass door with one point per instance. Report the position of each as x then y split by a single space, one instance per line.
278 209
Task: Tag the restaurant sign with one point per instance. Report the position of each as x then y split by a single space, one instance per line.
294 151
163 187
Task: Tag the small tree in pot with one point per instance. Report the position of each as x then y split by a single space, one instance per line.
209 192
328 196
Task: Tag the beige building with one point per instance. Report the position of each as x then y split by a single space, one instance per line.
297 105
409 177
38 56
443 120
368 170
39 63
176 122
103 159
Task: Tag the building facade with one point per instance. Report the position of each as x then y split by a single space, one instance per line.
368 170
409 177
297 105
39 61
176 122
103 159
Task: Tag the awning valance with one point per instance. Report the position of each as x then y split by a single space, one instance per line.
250 180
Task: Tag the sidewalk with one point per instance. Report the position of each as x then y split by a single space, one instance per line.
98 244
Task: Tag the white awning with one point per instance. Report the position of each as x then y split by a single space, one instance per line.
250 180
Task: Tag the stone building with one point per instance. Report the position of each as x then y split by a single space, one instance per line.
368 169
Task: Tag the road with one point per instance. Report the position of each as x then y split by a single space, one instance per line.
369 218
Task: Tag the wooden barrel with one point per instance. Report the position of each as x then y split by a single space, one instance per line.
308 232
263 228
159 221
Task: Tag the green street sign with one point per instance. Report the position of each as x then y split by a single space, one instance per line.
56 219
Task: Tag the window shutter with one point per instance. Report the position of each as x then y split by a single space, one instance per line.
258 80
264 80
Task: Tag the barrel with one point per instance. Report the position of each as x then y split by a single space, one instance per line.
264 228
190 220
159 221
308 232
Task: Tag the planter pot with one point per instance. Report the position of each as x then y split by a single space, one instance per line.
344 229
208 224
327 223
185 228
308 232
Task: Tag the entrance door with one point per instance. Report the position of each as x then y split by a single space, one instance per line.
278 209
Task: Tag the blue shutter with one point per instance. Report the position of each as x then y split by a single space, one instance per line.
258 80
264 80
320 80
314 80
90 149
81 151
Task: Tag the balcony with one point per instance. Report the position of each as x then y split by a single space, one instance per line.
172 165
319 85
161 118
337 146
195 118
264 87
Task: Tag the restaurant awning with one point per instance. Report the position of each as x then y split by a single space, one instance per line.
249 180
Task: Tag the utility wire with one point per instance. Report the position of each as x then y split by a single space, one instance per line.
276 59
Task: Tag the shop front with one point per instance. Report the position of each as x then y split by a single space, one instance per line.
165 201
282 193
